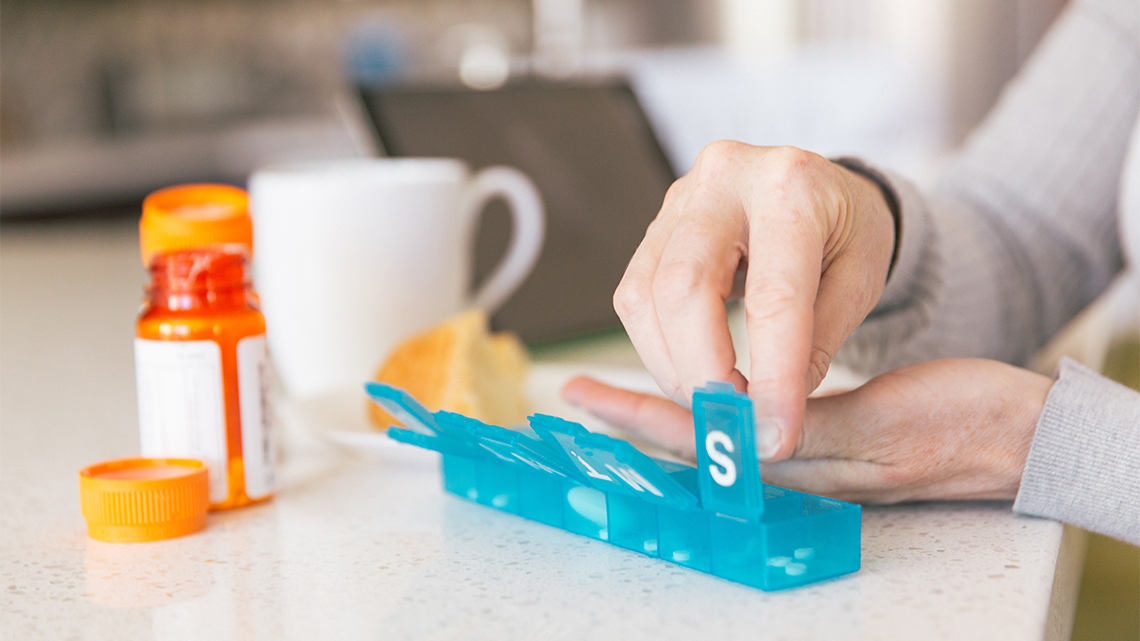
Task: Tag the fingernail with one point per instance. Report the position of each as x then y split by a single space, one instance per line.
767 437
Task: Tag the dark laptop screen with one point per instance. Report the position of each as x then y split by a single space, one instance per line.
590 150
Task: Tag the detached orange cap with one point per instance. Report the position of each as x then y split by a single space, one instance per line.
142 499
192 216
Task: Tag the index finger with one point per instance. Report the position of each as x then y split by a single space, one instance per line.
633 299
692 283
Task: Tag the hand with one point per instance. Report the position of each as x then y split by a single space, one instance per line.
813 243
945 429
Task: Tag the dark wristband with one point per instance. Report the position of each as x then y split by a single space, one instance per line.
889 195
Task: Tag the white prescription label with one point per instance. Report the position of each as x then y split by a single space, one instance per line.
257 443
182 405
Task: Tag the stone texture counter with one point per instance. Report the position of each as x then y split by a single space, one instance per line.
367 546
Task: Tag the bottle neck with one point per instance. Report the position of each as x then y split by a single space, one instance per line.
201 279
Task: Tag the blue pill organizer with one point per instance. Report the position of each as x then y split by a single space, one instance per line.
717 517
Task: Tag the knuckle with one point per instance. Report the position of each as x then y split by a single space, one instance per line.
789 166
658 226
720 148
715 155
770 298
677 283
818 365
631 296
676 189
794 158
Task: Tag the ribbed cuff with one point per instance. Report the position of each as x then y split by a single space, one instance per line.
1084 465
863 169
912 225
913 241
904 308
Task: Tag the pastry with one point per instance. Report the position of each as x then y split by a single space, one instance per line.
460 366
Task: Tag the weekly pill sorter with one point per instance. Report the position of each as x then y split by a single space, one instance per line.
717 517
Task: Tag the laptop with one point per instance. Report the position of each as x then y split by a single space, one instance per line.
589 148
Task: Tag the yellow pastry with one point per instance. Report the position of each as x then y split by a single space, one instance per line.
459 366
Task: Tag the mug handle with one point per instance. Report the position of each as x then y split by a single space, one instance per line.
528 230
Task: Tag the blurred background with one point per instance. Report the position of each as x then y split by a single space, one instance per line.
102 101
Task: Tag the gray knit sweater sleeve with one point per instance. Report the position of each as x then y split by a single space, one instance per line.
1090 476
1019 234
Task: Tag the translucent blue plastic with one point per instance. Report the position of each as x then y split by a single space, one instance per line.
717 517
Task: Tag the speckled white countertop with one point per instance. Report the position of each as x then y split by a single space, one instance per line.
367 545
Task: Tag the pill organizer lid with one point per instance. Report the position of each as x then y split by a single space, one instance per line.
612 465
727 464
544 423
451 433
510 445
404 407
443 443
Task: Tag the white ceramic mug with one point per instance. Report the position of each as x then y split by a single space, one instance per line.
352 256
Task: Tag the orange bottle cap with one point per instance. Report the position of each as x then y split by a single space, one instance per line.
144 499
192 216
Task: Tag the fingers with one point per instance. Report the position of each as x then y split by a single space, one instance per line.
783 275
819 467
847 292
671 299
693 281
854 273
653 418
785 214
814 271
633 299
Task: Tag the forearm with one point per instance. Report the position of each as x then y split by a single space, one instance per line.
1020 233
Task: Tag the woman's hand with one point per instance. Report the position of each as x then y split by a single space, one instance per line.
813 243
945 429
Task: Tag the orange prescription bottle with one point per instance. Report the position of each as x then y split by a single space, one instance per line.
200 359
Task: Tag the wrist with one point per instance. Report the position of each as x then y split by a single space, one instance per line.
886 197
1031 391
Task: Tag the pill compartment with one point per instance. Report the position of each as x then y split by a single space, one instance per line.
459 476
799 539
559 474
633 523
540 498
683 537
498 486
584 511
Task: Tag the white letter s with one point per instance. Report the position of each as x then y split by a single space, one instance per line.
727 476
